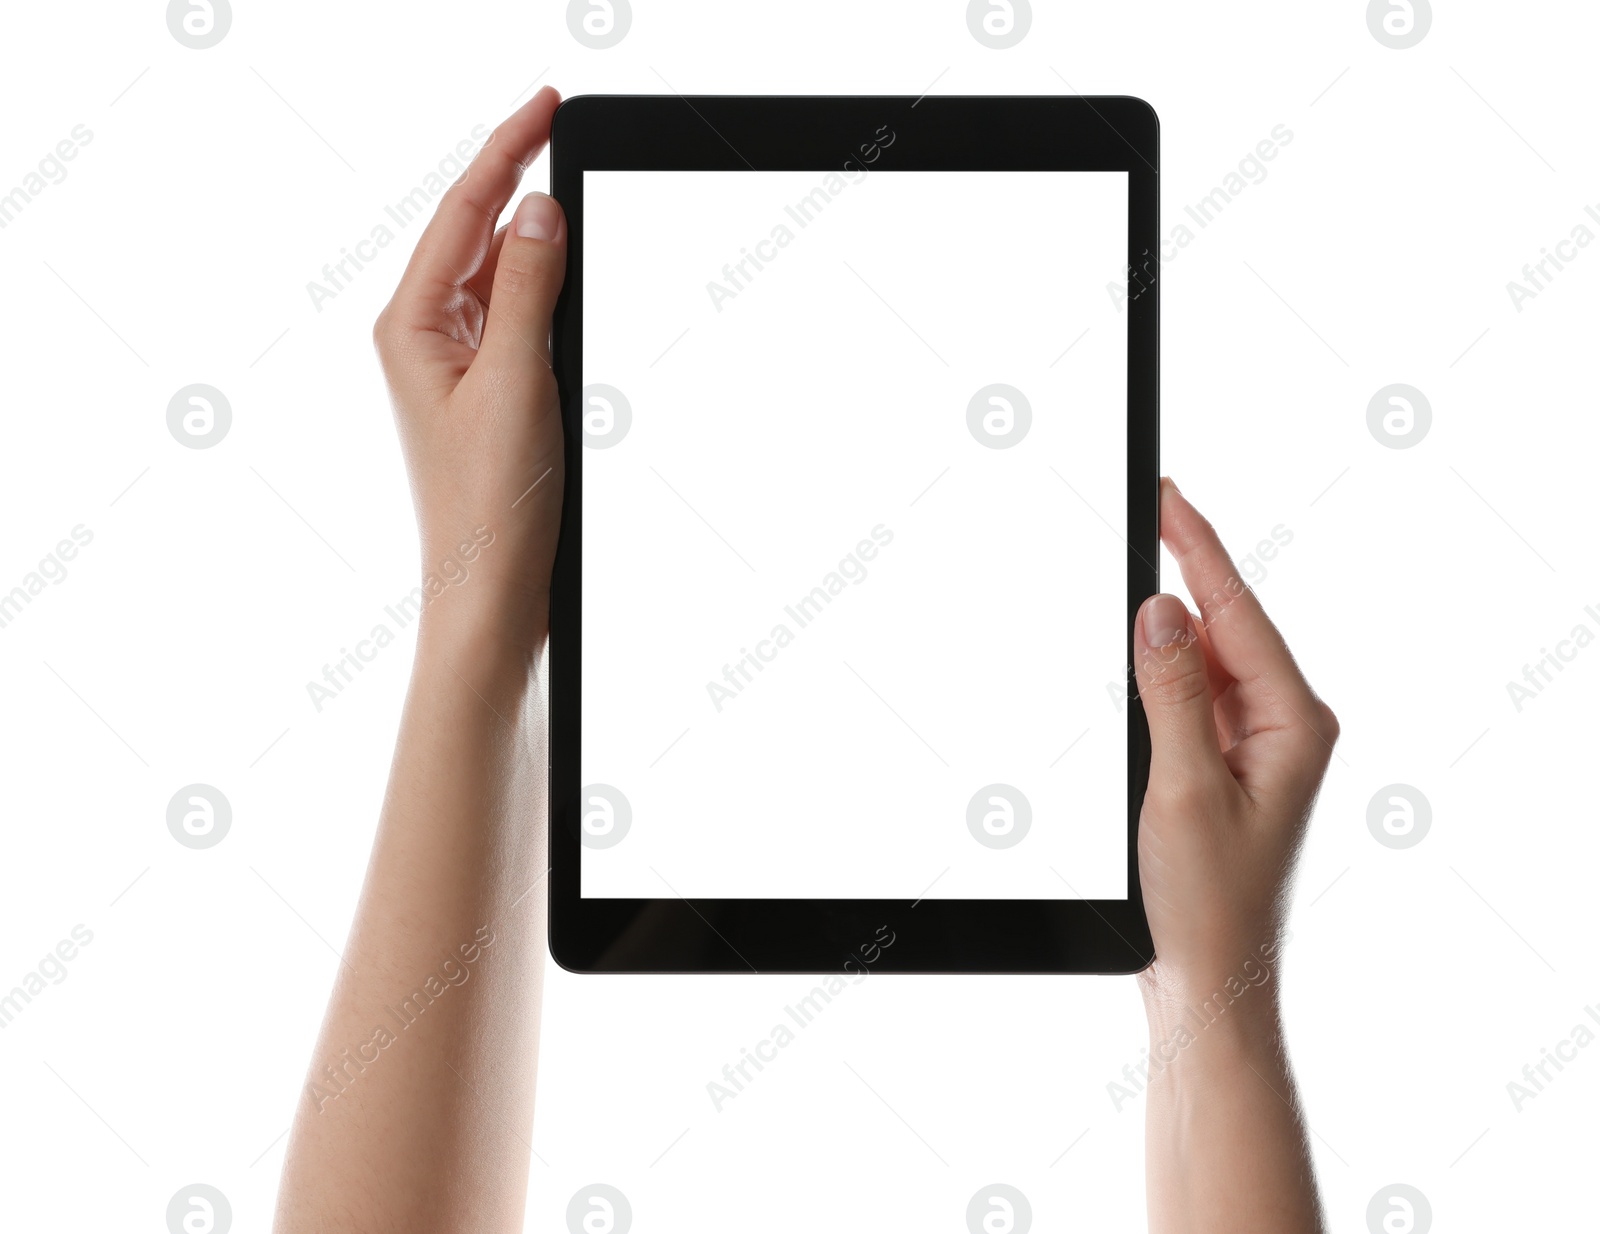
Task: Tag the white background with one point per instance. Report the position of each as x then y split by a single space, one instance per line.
1417 584
772 433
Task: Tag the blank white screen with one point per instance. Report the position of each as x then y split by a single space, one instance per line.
779 417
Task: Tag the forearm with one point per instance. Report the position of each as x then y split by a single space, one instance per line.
1225 1145
418 1110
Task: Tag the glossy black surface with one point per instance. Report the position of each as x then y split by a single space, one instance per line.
730 133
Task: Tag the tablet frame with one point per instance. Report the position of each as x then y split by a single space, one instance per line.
785 133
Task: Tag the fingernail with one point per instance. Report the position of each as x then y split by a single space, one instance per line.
538 217
1172 482
1165 620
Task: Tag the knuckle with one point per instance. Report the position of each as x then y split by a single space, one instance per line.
382 332
1174 685
522 274
1313 734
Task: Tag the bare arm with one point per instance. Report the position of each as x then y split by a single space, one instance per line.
418 1109
1239 747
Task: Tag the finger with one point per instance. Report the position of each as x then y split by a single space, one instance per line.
457 240
482 283
527 279
1175 687
1241 636
1221 682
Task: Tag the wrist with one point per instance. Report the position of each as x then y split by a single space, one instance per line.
486 591
1234 1006
1194 1068
492 646
489 615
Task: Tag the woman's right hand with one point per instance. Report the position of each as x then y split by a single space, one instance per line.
1239 746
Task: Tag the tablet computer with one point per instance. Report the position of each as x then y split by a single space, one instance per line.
860 401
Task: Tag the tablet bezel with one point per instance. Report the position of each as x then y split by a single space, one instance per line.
933 133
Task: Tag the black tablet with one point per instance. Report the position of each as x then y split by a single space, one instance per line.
860 399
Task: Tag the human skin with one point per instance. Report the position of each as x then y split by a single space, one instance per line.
1239 746
435 1133
431 1130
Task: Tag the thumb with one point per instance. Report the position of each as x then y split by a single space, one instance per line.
527 279
1176 691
